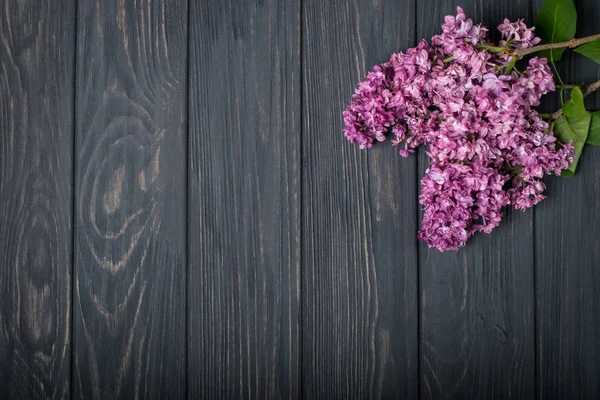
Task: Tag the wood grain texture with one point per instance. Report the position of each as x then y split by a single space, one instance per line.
359 266
37 47
477 304
305 276
244 200
129 315
568 256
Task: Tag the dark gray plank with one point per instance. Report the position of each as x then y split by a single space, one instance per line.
359 224
477 304
244 200
130 262
37 49
568 257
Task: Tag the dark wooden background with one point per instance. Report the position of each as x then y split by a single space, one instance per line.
180 216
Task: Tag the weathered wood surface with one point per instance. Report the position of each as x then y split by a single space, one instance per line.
37 42
567 255
359 214
180 216
244 200
130 265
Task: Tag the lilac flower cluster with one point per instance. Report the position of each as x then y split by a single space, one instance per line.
488 147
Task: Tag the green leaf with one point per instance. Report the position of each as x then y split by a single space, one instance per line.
573 129
555 23
594 131
575 107
591 50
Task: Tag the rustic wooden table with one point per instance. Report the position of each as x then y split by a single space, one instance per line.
180 215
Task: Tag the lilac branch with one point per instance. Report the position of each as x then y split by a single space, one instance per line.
570 44
586 89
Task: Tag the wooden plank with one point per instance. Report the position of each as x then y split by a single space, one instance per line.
568 257
37 49
359 223
477 304
244 200
130 303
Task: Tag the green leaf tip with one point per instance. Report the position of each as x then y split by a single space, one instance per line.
573 129
591 50
575 106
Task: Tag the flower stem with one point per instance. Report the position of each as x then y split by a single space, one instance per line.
592 87
586 89
568 86
556 115
556 72
570 44
493 49
510 65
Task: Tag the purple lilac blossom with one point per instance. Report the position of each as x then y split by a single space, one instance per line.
517 35
488 147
